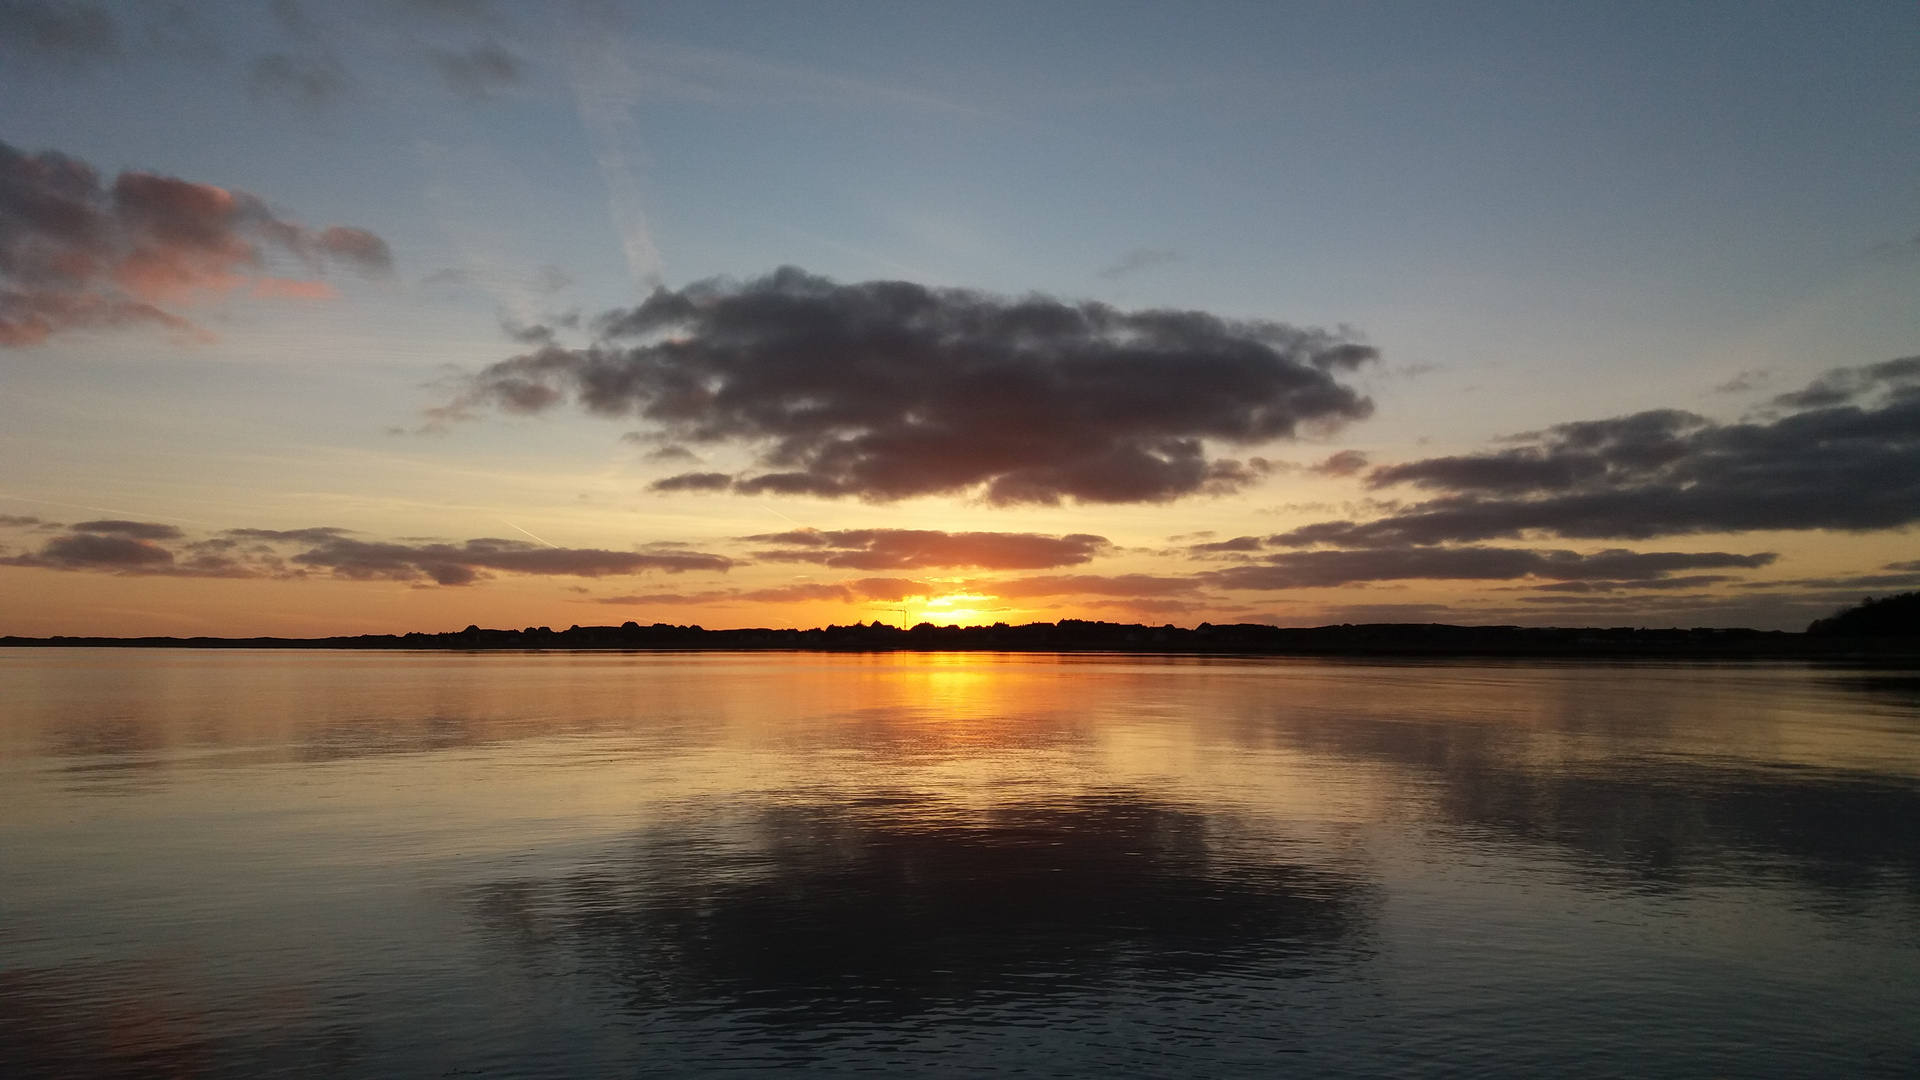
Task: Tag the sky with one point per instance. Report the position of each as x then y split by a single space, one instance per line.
372 317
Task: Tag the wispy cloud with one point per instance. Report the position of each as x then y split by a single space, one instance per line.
1137 260
1343 463
688 71
606 91
478 71
307 80
58 34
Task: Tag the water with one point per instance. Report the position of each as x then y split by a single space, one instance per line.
371 864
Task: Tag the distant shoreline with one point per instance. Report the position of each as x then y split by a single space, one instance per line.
1071 635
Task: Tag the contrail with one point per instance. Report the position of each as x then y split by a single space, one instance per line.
781 516
605 90
511 525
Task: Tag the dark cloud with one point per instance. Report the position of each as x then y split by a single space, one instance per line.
862 590
132 548
1693 581
461 564
693 481
1221 547
532 333
137 530
76 253
1144 592
68 34
17 521
319 535
1344 463
478 71
1846 385
1842 454
64 34
526 333
1601 571
135 547
914 549
1559 572
888 390
1743 382
95 551
355 247
671 453
1322 569
1127 585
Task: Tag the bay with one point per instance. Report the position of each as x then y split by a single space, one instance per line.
569 864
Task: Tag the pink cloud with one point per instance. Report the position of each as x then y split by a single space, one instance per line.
78 254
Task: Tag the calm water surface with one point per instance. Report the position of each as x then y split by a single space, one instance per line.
358 864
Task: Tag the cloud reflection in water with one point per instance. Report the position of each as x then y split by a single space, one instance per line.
1654 821
814 914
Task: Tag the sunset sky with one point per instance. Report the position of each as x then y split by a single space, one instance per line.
324 318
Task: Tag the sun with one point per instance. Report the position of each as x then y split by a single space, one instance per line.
947 609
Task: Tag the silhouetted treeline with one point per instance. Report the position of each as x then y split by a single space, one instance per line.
1889 616
1074 635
